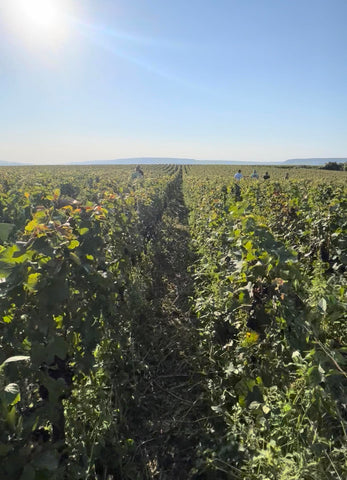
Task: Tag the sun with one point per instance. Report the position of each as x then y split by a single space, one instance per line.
38 20
40 14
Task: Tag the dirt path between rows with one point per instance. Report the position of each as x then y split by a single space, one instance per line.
166 423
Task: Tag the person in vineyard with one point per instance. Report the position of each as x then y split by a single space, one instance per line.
266 176
238 175
137 174
255 175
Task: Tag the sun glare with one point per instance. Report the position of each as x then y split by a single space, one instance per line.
43 21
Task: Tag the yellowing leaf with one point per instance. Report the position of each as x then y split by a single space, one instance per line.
7 318
248 246
31 225
33 279
73 244
250 339
59 321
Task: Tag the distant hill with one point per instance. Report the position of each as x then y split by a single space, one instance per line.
190 161
3 163
313 161
169 161
139 160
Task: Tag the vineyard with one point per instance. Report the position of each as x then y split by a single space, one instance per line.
176 326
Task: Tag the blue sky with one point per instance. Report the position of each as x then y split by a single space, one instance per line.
225 79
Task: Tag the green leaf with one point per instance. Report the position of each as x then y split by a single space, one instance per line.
250 257
41 354
314 376
59 347
56 292
47 460
28 473
75 258
10 257
5 230
42 245
11 417
4 449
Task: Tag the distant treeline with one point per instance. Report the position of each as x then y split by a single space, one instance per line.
328 166
335 166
